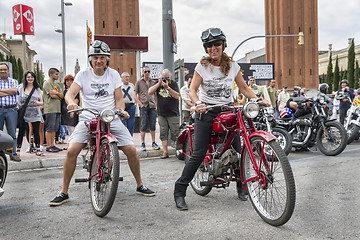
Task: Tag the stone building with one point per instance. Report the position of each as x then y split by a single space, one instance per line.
9 46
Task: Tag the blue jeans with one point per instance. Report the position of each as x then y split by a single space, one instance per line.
130 123
9 115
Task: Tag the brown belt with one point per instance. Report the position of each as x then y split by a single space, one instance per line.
8 106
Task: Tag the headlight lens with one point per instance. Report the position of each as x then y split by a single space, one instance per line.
251 110
107 115
357 111
322 100
270 111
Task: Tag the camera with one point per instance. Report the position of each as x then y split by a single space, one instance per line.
164 79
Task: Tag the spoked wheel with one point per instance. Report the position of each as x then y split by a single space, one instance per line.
201 175
335 142
3 168
103 185
272 193
352 132
283 138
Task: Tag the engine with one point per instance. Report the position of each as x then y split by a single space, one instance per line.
222 164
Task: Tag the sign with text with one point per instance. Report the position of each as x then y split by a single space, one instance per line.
23 17
260 71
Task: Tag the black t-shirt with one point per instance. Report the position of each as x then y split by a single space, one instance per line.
65 116
167 106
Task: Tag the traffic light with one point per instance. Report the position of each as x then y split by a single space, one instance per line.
301 38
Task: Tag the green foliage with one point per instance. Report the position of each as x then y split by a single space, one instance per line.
20 70
12 59
336 75
351 63
356 75
2 57
344 75
39 75
329 74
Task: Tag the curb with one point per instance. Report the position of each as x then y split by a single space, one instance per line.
44 163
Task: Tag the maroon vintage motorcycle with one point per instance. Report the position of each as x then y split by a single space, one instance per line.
264 167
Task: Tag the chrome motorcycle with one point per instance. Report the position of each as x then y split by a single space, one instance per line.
311 126
352 121
265 121
6 146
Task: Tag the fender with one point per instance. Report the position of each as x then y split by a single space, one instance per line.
182 136
265 135
109 137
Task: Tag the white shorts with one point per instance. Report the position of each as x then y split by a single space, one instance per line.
117 129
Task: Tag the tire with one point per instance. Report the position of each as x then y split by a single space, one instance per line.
353 133
3 168
338 140
201 175
284 139
103 191
273 193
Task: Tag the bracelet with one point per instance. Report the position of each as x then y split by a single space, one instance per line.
167 88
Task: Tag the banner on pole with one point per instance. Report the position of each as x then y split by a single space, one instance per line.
23 17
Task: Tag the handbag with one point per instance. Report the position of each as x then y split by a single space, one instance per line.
22 110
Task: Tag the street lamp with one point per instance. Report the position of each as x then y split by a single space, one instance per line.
62 31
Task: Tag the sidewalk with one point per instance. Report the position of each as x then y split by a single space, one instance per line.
31 160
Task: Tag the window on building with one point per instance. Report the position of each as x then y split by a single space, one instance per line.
103 24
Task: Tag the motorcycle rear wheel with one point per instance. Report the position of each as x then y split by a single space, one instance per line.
103 191
3 168
201 175
353 133
284 139
272 194
338 141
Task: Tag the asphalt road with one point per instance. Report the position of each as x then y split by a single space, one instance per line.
327 205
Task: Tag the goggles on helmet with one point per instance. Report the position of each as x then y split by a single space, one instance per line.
214 32
99 45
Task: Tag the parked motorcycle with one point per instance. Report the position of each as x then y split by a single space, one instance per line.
262 165
265 121
352 120
6 146
311 126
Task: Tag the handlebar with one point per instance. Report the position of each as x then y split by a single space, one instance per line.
261 104
95 112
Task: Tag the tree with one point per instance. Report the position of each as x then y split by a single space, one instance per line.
329 74
20 70
39 75
356 75
14 67
351 63
2 57
336 75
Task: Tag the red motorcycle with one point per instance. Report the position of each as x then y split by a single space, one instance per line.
263 165
103 164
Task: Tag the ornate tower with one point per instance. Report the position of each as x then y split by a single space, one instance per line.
115 18
294 64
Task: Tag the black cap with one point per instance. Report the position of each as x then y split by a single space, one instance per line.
285 86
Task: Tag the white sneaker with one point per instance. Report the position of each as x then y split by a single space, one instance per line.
28 149
41 148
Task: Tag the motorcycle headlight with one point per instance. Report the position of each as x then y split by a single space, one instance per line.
357 111
270 111
107 115
251 110
322 100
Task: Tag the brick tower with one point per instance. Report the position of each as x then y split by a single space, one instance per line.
294 64
118 17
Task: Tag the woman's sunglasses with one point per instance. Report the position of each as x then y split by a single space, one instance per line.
210 44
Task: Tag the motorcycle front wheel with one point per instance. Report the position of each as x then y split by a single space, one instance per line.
352 132
201 174
334 143
284 139
3 168
272 191
103 188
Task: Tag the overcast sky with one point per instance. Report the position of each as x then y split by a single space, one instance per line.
239 19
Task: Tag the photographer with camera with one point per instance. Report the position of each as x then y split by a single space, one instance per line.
167 99
345 95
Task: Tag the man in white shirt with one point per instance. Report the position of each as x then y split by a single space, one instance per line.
283 98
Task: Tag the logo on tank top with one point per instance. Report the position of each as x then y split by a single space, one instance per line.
100 88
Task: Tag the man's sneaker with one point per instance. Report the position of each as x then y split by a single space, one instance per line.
59 199
143 148
155 146
51 149
55 147
143 190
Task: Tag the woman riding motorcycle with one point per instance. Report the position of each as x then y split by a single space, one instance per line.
214 77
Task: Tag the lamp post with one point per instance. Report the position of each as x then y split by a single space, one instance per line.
62 31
